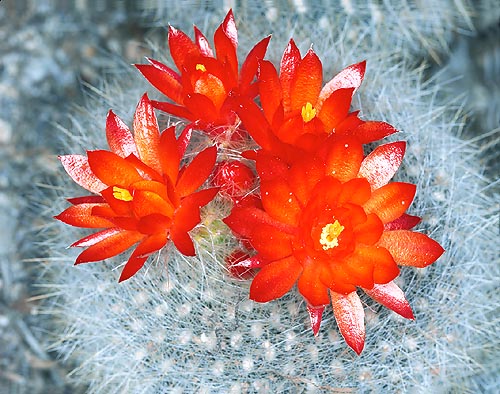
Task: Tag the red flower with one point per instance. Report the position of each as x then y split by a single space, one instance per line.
332 223
201 92
299 110
140 194
234 178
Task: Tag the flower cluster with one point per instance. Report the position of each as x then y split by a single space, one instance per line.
317 212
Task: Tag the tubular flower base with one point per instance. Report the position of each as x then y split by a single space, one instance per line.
140 194
332 222
204 89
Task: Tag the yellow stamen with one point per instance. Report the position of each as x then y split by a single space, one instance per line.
201 67
308 112
329 235
122 194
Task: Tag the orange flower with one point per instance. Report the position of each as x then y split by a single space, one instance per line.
202 89
140 194
331 223
300 111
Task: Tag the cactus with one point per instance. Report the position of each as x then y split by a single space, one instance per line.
184 324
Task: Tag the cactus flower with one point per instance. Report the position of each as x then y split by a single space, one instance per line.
203 89
140 195
332 223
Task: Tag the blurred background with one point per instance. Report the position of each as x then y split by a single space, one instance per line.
53 52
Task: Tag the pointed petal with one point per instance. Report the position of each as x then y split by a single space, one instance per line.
169 154
182 242
371 264
119 137
307 81
349 77
335 108
147 134
77 167
310 286
202 43
275 279
197 172
380 165
141 253
404 222
271 243
187 215
372 131
112 169
163 78
173 110
411 248
226 42
85 200
315 316
112 245
279 201
250 65
269 89
355 191
392 297
147 203
303 177
81 216
201 108
350 316
181 47
289 63
391 200
344 158
244 220
370 231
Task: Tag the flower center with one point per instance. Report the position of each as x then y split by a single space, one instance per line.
122 194
308 112
201 67
329 235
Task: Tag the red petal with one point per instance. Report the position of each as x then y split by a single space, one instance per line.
112 169
197 172
78 169
381 164
390 201
81 216
147 133
355 191
271 243
344 158
141 253
310 286
240 265
226 42
188 214
303 177
107 246
307 81
335 108
173 110
170 157
202 43
391 296
349 77
147 172
289 62
369 232
315 316
146 203
181 47
85 200
202 108
275 279
119 137
372 131
279 201
404 222
164 79
411 248
269 89
244 220
350 316
249 67
182 242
